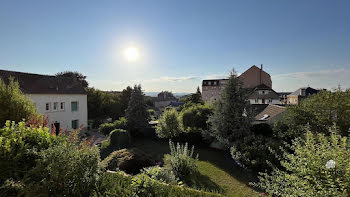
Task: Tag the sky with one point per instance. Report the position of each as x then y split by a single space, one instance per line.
180 43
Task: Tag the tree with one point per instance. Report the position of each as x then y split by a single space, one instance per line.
124 99
136 113
232 118
75 75
14 105
319 111
168 125
194 118
195 98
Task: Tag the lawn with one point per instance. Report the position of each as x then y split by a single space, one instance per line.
217 169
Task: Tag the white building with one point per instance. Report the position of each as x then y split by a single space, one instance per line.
63 100
263 94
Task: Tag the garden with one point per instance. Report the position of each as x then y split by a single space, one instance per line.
306 153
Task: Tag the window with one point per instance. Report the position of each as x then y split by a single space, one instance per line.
47 107
256 100
74 106
62 106
55 106
75 124
263 92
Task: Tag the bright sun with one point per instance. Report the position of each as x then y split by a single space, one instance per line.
131 53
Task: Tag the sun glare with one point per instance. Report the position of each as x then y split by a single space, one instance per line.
131 53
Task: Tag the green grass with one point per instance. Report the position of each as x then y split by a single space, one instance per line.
217 171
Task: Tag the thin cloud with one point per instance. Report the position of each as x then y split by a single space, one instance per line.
328 79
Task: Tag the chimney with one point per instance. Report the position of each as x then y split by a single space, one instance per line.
261 67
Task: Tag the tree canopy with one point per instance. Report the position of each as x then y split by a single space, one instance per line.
136 113
75 75
231 118
14 105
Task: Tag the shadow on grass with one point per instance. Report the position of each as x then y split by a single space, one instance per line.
203 182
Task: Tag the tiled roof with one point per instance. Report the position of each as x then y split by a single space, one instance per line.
43 84
271 111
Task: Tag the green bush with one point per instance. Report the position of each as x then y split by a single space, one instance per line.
129 160
168 125
195 117
107 128
181 161
14 105
70 168
317 165
161 174
19 146
120 184
113 184
119 138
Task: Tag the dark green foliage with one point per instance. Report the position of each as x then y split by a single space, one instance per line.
70 168
106 128
120 184
195 98
195 117
168 124
262 129
317 165
319 111
104 105
136 113
161 174
119 138
75 75
113 184
254 152
232 118
129 160
19 146
14 105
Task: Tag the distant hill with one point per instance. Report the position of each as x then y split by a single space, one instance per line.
178 94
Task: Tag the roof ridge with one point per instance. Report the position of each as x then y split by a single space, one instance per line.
27 73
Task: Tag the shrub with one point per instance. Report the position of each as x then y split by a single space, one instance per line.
181 160
113 184
143 185
129 160
14 105
194 118
168 125
107 128
70 168
317 166
119 138
161 174
19 146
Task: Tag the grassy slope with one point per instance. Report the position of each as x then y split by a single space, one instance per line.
217 169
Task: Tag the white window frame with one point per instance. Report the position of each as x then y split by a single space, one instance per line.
62 108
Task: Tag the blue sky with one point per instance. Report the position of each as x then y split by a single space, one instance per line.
181 43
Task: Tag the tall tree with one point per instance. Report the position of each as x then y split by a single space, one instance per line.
232 117
14 105
195 98
136 113
75 75
124 99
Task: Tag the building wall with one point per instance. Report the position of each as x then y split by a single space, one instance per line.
267 101
251 78
65 116
293 99
211 93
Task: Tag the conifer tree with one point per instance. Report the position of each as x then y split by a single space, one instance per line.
136 113
232 118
